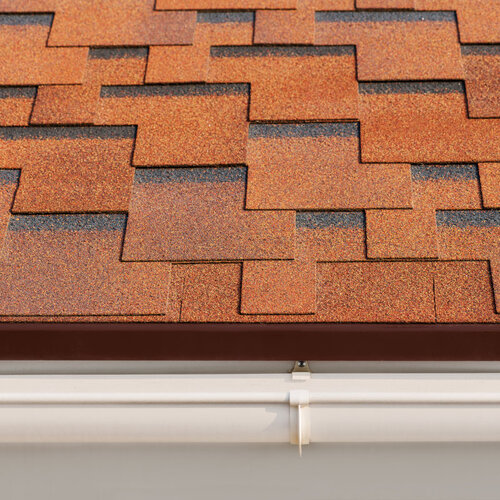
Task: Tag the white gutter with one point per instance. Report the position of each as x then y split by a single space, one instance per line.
242 408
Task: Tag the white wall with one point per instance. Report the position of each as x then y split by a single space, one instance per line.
242 472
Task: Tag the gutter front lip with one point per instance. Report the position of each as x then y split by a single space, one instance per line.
249 398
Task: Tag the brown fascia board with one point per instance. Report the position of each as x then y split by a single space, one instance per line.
263 341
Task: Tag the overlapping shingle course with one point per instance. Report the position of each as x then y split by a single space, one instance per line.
250 161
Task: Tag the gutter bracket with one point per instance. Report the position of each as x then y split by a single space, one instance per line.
301 371
300 418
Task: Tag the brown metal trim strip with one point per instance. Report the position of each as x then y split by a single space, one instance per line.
189 341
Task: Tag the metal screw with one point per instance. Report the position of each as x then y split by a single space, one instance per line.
301 364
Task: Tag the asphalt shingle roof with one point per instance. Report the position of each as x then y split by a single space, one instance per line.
250 161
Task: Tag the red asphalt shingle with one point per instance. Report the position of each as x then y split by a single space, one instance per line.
250 161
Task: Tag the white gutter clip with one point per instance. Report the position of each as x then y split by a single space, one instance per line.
300 416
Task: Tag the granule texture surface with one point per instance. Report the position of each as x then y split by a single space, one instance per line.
257 161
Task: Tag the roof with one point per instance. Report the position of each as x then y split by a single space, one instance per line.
257 161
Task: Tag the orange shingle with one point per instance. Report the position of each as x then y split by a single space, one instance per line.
70 264
69 169
463 293
181 125
402 234
291 83
490 180
316 166
482 79
396 45
16 104
26 60
193 214
375 292
478 20
423 122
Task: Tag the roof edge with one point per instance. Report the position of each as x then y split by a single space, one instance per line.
262 341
